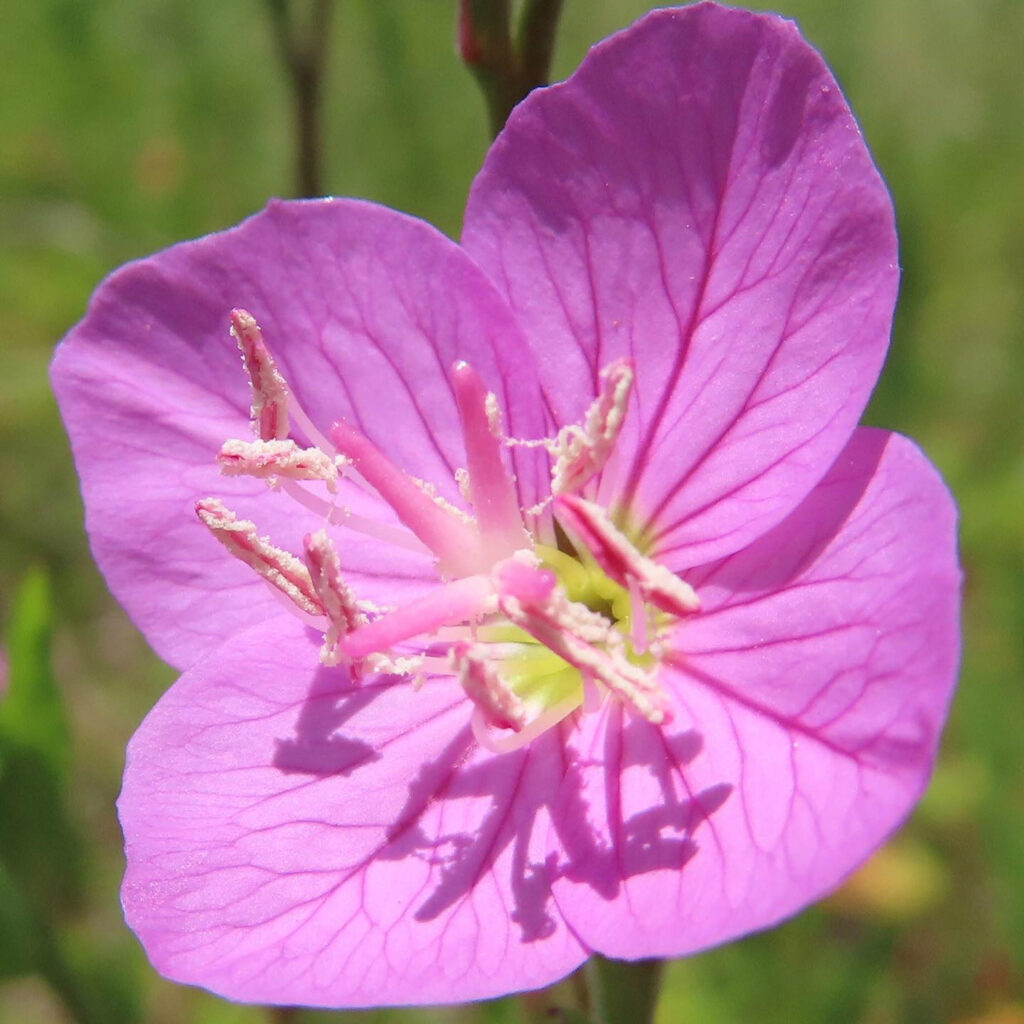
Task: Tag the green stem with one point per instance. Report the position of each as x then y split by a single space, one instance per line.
538 26
621 991
486 49
506 68
303 52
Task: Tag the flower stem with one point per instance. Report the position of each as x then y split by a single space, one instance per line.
507 66
538 25
303 51
623 992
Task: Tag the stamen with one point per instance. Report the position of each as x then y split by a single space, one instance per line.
496 700
277 567
491 489
272 399
518 688
269 391
585 639
339 603
284 458
340 515
582 450
618 557
460 601
455 543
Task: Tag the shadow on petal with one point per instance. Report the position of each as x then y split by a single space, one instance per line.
477 819
317 748
606 844
784 121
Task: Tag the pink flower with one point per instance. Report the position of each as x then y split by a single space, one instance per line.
594 622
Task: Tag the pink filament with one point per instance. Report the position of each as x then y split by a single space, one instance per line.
338 515
504 743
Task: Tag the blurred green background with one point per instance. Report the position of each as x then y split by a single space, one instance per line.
126 125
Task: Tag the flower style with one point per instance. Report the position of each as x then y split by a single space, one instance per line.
554 602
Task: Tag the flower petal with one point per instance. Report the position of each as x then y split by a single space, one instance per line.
697 196
811 689
294 838
365 310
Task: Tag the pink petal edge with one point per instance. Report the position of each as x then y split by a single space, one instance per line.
294 839
697 197
365 310
811 691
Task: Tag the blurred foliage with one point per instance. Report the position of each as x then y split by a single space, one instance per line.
126 125
40 853
32 711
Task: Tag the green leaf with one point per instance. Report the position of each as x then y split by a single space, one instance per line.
39 846
32 714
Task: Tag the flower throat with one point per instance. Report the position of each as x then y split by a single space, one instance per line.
533 632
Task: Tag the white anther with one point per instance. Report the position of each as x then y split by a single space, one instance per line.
581 450
269 390
497 701
339 603
618 557
277 567
277 458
